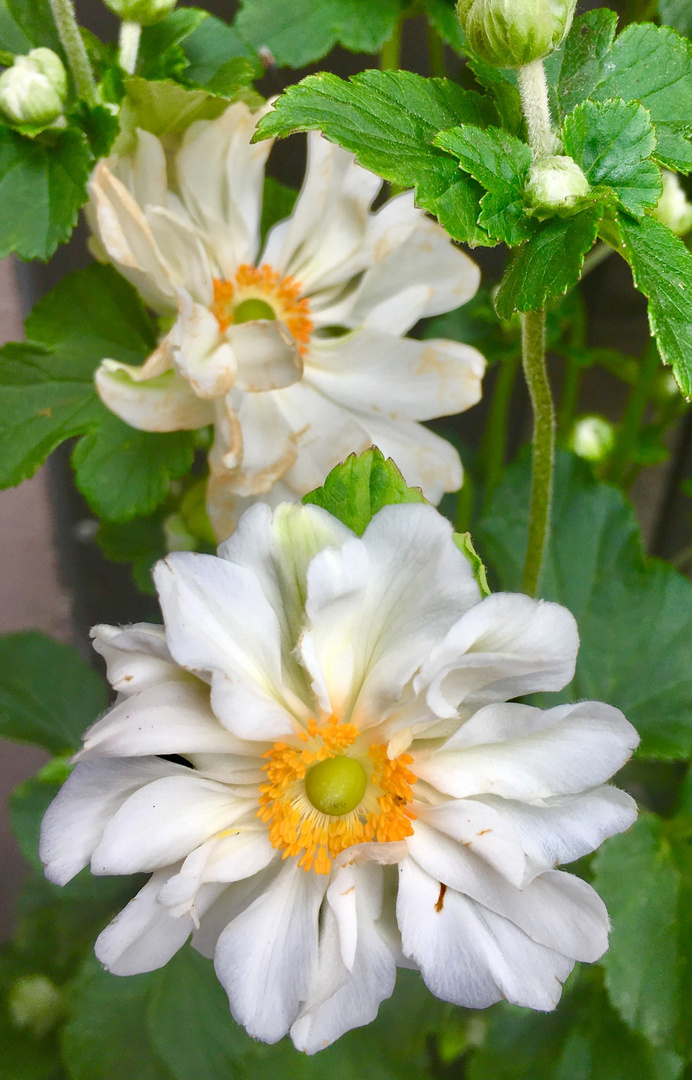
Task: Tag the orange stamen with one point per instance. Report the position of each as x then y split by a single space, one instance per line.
264 283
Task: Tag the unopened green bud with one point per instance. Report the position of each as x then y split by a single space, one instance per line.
34 89
555 186
512 33
145 12
592 438
35 1004
674 208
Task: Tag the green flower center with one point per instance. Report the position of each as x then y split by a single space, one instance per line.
249 310
336 786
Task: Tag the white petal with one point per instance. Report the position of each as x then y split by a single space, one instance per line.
556 909
265 957
226 507
427 258
183 254
143 172
136 656
221 176
126 236
162 822
323 242
506 646
144 936
269 445
519 752
171 718
483 829
467 954
201 353
355 897
76 819
564 829
372 371
218 620
267 355
377 606
163 403
426 460
230 858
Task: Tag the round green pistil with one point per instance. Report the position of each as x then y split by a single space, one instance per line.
250 310
336 786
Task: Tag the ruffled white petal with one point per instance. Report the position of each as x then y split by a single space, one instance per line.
201 353
218 620
183 253
523 753
163 403
265 957
266 355
136 656
269 445
244 852
506 646
143 171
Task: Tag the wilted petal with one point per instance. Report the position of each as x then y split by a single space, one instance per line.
267 355
164 403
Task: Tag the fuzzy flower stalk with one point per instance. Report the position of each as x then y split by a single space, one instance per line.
317 760
293 345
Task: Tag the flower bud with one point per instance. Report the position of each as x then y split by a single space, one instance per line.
555 186
35 1004
673 208
512 33
34 89
592 438
145 12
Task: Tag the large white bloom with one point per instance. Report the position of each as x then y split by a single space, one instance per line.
294 351
360 794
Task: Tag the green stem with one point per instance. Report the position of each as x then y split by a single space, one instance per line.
390 57
569 398
533 87
494 446
535 371
630 424
130 33
71 38
464 507
436 54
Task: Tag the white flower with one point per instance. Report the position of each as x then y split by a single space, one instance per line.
359 794
294 351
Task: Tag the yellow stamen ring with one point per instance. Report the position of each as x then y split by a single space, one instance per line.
261 293
315 831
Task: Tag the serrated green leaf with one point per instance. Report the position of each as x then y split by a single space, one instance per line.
676 13
211 46
99 124
43 184
123 472
163 35
612 143
299 33
355 491
662 269
442 15
140 542
638 879
548 264
500 162
36 23
13 39
584 52
634 614
48 694
277 203
389 120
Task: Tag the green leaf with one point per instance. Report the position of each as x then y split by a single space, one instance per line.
548 264
35 22
298 33
389 120
355 491
662 269
164 108
13 38
443 17
638 879
99 125
584 53
125 473
634 614
500 162
43 184
211 47
48 694
164 35
676 13
612 143
277 203
465 544
140 542
106 1036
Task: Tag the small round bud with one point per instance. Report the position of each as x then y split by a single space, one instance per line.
673 208
512 33
34 89
555 186
35 1004
592 438
145 12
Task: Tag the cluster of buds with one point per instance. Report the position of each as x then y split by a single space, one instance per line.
144 12
513 33
33 91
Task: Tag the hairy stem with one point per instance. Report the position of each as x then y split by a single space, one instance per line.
68 31
494 445
533 340
630 424
533 88
130 33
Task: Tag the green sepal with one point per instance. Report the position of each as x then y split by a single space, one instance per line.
465 544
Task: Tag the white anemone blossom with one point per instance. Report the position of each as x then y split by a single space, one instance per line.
357 791
295 349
